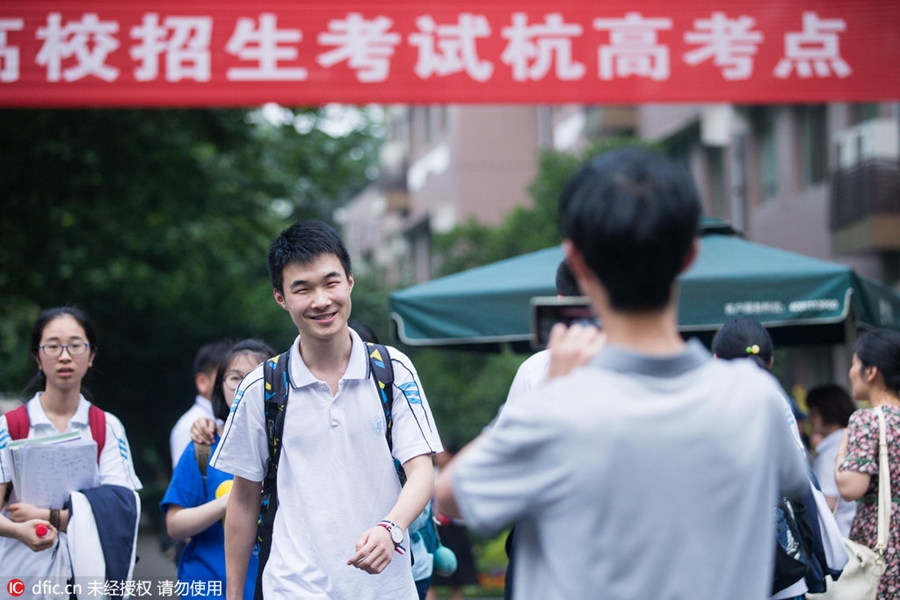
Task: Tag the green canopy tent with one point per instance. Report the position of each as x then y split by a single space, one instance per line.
801 300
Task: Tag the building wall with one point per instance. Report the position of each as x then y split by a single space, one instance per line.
495 160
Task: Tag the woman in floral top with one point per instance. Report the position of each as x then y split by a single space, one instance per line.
874 376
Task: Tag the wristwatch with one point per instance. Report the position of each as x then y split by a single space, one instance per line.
395 530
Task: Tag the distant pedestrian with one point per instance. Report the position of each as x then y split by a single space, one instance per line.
206 363
195 502
830 408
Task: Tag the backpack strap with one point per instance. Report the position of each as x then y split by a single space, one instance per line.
383 371
275 375
18 423
97 423
201 453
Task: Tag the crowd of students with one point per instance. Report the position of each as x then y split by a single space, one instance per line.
633 464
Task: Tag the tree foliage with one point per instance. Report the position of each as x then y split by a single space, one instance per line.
157 223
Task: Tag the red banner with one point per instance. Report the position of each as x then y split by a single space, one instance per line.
79 53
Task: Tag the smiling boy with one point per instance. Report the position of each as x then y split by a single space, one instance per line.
341 506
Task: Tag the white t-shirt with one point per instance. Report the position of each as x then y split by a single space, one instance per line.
336 477
823 467
116 468
531 374
638 477
180 436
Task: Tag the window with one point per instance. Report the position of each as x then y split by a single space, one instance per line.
862 111
767 152
718 191
812 128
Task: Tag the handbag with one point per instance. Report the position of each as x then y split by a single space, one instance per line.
860 577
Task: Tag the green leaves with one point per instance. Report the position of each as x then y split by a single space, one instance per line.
157 223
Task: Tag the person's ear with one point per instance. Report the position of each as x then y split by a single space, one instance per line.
279 298
869 374
575 261
204 383
350 280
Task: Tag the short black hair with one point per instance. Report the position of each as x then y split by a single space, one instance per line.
744 337
881 348
565 281
633 214
256 349
832 402
302 243
210 356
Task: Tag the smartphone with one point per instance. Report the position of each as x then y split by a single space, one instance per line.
547 311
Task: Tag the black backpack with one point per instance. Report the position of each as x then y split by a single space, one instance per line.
793 544
277 389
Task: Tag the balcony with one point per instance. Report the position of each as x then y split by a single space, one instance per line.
865 188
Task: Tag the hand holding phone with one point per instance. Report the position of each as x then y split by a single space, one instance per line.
547 311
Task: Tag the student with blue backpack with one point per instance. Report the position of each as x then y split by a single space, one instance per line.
324 418
195 502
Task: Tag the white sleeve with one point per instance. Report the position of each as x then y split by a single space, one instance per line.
5 458
243 449
823 467
530 374
116 466
413 432
179 439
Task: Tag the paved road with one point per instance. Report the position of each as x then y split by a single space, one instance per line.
153 566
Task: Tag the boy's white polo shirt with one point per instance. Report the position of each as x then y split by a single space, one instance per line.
336 476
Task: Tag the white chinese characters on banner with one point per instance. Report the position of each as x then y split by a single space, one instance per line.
266 45
179 48
448 49
9 55
367 46
90 41
531 48
183 40
730 44
816 49
633 47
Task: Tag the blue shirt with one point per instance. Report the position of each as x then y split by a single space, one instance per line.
203 559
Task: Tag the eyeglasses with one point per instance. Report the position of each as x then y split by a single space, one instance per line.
232 380
75 349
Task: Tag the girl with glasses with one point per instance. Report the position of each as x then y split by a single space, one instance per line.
195 501
64 346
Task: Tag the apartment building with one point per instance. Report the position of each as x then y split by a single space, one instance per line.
442 165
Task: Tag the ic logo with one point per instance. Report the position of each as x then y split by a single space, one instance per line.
15 587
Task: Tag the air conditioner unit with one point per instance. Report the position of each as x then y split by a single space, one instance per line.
875 139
